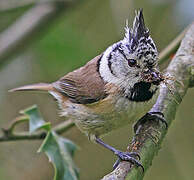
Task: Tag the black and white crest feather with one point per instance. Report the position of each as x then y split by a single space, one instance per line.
138 38
139 33
139 28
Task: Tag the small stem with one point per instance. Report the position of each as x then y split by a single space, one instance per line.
16 121
22 136
63 127
59 129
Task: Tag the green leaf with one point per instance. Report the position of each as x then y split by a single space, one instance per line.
60 151
35 119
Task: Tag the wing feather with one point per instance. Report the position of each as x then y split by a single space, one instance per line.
83 85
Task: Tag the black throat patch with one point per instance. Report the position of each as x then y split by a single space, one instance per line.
141 92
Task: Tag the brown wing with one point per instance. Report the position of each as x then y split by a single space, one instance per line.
83 85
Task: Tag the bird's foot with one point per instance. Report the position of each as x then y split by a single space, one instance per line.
123 156
127 156
151 116
159 116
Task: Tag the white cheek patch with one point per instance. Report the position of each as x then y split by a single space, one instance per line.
104 69
121 80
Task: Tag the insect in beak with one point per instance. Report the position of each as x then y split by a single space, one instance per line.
156 77
152 76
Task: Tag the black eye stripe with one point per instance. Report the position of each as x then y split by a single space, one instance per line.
131 62
110 65
122 52
140 54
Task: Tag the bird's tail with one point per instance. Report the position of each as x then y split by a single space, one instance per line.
33 87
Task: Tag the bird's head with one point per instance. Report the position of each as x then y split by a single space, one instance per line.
132 60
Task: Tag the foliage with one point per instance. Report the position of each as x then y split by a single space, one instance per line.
58 149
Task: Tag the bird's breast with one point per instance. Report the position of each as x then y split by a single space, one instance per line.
106 115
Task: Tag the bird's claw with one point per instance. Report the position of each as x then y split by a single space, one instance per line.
127 156
160 117
151 115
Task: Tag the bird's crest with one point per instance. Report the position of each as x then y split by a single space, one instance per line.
138 32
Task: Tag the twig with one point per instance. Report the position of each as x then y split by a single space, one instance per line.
172 47
10 136
27 28
14 123
150 135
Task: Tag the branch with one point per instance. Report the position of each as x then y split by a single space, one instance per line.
8 134
150 135
25 30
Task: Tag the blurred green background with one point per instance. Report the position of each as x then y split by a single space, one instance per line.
68 40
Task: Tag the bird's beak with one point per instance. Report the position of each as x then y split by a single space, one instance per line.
153 76
156 78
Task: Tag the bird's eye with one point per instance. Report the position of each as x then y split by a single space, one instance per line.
132 62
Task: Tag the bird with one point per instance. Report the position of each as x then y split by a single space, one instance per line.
114 89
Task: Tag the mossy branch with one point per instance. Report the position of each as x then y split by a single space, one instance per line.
149 137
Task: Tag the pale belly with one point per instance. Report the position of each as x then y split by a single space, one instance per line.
100 118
